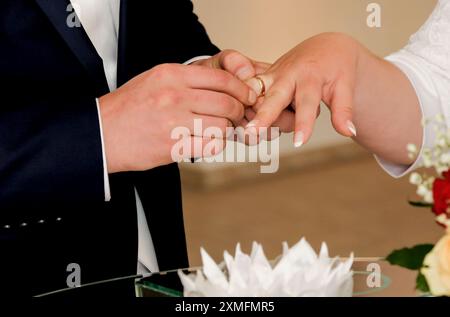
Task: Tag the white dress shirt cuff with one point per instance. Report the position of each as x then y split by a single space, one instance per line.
196 59
105 166
429 102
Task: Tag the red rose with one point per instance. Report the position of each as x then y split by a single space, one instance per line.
441 194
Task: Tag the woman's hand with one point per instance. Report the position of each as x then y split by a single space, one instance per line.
321 68
366 95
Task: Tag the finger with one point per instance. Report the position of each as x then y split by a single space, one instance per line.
216 104
260 84
207 126
276 100
199 77
237 64
307 100
196 147
250 114
243 122
246 138
341 109
286 120
261 67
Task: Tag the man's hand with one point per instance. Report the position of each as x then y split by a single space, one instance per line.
235 63
138 118
246 69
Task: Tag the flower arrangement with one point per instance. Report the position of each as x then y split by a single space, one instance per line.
433 186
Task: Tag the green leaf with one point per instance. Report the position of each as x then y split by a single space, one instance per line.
420 204
422 284
410 258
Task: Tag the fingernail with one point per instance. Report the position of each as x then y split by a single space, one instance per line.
244 73
252 97
251 124
299 139
255 85
351 127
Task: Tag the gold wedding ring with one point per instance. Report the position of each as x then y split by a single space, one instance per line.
262 86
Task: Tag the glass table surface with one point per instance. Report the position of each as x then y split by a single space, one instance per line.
373 277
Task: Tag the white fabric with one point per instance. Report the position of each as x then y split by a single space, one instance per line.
100 20
196 59
105 166
426 62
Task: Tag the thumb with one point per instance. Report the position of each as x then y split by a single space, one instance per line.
236 64
261 67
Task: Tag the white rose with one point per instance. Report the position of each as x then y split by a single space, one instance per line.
437 268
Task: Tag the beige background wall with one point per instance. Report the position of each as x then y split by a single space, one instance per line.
266 29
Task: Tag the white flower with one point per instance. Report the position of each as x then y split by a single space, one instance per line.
445 158
299 272
441 169
415 179
423 191
428 198
412 149
427 161
442 141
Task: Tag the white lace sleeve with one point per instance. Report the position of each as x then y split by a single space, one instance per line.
426 62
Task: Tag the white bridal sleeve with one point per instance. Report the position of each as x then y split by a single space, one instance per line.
426 62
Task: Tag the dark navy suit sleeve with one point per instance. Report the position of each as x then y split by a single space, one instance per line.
183 36
50 151
200 44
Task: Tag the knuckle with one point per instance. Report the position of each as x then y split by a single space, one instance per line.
223 126
306 120
222 79
167 97
232 57
278 93
308 99
164 71
267 114
309 72
309 67
343 111
223 101
236 110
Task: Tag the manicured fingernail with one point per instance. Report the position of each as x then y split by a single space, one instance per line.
255 85
244 73
299 139
351 127
251 124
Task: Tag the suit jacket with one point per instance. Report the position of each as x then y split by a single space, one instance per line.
52 208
